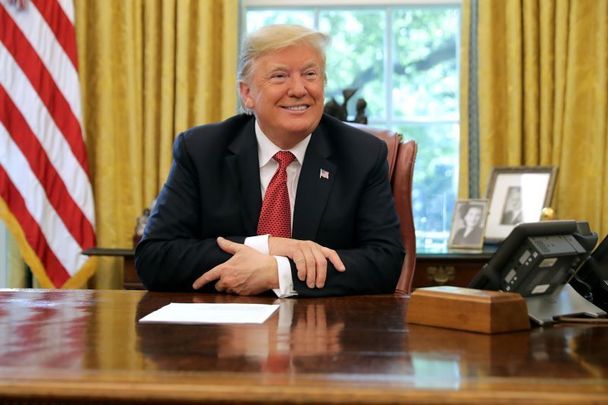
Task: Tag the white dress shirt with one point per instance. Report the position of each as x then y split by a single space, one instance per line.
268 167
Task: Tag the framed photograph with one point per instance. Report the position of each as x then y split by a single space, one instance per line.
468 224
516 195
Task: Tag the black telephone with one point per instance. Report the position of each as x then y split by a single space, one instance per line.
537 258
591 280
540 260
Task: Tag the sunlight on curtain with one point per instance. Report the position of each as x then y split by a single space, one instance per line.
16 279
12 266
543 85
149 69
465 49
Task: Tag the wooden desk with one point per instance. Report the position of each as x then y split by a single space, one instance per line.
433 267
449 267
84 346
130 279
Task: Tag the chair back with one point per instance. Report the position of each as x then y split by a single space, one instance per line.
401 158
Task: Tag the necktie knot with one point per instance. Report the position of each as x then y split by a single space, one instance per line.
284 159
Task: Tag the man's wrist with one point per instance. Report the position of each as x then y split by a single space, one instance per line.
274 273
285 280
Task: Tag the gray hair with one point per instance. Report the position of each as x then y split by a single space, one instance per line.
276 37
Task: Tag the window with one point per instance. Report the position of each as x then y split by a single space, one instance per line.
402 58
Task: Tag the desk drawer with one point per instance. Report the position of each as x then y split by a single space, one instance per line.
432 272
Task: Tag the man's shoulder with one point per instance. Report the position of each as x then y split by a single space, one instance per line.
212 141
226 129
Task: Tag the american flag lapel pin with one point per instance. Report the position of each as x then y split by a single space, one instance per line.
324 174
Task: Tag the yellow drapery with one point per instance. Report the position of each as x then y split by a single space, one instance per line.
465 49
148 69
543 97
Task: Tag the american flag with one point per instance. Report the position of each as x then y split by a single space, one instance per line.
46 198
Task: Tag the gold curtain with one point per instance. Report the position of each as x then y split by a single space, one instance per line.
465 49
148 69
543 97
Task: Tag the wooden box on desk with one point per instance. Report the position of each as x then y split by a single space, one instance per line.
468 309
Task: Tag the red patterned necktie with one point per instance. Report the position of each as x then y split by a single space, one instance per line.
275 218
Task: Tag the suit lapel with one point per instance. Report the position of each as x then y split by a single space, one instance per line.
316 179
245 173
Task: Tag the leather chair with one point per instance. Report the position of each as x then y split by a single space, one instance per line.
401 158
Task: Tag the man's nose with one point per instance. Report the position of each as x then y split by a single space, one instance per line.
297 87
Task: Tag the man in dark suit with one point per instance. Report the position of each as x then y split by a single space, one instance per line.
344 236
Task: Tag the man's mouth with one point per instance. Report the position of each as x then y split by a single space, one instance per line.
296 107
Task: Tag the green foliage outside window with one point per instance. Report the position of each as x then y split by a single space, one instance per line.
404 63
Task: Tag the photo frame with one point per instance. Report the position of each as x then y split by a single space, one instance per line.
468 224
516 195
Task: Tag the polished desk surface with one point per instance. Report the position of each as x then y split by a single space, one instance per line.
87 346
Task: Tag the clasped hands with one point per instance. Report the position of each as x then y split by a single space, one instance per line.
250 272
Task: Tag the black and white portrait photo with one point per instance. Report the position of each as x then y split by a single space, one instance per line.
468 224
517 195
511 212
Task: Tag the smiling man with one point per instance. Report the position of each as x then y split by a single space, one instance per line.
282 198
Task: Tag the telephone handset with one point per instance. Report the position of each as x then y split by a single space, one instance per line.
591 280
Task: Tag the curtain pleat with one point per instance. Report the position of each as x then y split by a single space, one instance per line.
148 70
465 97
543 97
583 182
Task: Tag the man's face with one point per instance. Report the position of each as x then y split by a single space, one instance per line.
285 89
473 216
514 200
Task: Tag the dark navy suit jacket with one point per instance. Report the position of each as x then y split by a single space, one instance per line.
213 189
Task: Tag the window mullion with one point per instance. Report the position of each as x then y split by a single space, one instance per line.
388 71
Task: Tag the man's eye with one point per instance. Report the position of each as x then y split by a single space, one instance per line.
278 77
311 74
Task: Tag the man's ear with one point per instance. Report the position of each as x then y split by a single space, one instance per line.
246 98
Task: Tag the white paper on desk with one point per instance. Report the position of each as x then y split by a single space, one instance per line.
210 313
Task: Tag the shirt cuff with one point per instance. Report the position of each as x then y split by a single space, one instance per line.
259 243
285 280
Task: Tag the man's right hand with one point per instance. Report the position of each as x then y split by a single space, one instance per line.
247 272
310 258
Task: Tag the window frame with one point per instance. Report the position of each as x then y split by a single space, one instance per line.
389 120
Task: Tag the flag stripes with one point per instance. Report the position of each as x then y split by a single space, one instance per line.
59 197
49 238
46 194
29 60
43 126
62 27
38 76
44 257
42 39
